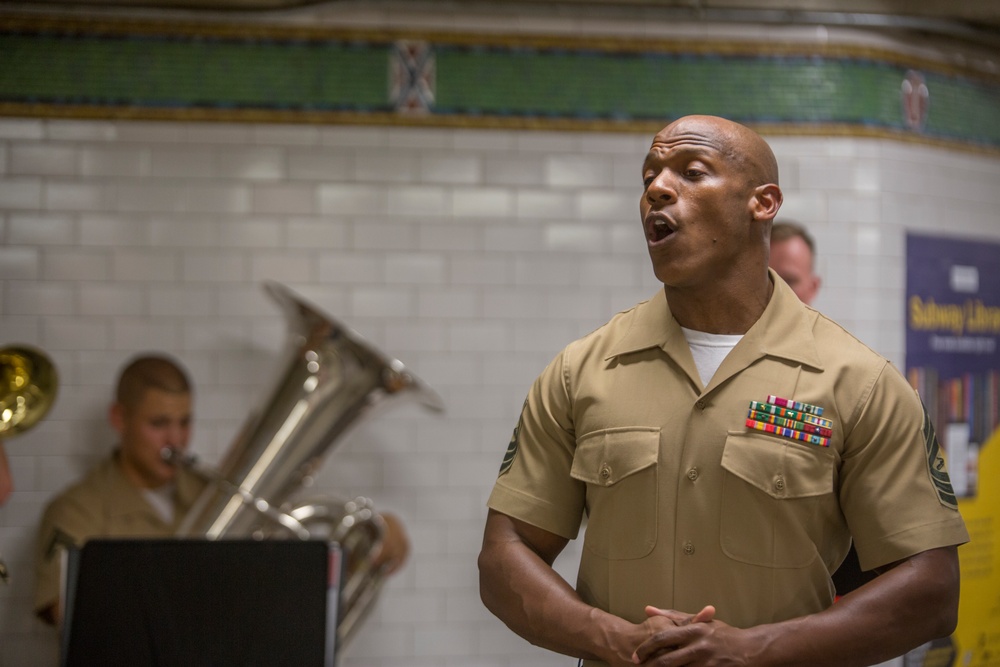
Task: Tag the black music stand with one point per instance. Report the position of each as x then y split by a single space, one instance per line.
194 602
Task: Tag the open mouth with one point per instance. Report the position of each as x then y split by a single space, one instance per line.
658 229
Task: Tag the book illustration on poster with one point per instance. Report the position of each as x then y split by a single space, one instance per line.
967 408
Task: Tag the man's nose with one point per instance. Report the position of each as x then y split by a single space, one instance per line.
662 189
176 435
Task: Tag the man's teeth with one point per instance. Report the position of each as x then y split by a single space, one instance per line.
661 230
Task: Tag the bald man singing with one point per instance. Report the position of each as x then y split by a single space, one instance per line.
725 443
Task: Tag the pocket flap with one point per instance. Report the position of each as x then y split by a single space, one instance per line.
779 469
605 458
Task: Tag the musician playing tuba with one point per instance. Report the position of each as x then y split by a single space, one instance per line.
137 492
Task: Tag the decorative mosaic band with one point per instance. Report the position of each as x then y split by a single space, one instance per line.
62 68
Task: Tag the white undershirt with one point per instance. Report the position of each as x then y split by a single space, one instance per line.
162 501
709 350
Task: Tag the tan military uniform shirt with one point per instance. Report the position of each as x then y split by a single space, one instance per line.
103 504
688 506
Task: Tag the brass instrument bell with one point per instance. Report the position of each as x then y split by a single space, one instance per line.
28 384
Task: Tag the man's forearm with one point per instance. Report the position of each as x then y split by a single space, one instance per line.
901 609
535 602
517 583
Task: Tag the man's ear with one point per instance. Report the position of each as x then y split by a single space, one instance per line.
766 201
116 417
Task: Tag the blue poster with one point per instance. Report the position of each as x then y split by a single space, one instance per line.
953 361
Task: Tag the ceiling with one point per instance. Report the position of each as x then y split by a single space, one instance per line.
973 20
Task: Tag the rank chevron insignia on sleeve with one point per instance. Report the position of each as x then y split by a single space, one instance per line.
508 457
936 465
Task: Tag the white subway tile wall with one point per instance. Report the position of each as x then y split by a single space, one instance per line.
471 255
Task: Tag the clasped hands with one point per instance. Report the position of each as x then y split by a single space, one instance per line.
676 639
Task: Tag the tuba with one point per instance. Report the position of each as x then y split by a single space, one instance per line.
331 380
28 384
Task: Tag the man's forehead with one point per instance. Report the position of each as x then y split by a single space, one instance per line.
684 147
686 143
712 136
691 134
154 399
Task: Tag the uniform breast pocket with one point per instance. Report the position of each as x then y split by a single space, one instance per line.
774 499
619 468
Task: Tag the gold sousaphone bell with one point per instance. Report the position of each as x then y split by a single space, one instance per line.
28 385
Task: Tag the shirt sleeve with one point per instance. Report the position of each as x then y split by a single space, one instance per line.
66 521
534 484
894 486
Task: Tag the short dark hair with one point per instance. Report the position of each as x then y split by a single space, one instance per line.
782 231
150 371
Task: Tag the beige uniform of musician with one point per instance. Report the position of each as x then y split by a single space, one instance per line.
105 504
687 505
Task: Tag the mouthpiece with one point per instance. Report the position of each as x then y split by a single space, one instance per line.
175 456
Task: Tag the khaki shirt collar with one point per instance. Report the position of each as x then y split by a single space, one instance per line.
121 487
784 330
187 490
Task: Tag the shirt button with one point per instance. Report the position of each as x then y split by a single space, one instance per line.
693 474
688 548
605 472
700 405
779 483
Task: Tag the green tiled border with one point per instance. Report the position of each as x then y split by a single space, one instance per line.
61 68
